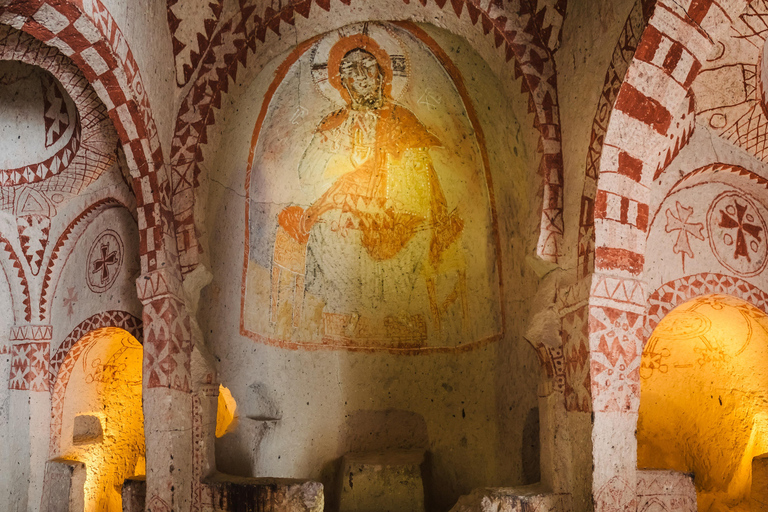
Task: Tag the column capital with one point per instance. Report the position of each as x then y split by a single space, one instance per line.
31 332
158 284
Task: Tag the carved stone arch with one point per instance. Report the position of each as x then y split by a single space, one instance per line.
87 120
678 291
87 34
641 138
68 352
238 38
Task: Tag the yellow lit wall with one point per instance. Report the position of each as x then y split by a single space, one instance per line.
226 412
106 382
703 407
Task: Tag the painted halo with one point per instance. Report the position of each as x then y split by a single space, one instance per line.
377 39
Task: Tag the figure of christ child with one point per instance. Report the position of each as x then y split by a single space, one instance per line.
369 167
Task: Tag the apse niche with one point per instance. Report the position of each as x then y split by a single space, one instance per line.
369 183
703 406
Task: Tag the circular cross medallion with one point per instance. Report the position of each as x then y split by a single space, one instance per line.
737 234
104 260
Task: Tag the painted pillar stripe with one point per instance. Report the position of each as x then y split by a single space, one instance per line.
643 108
673 57
649 43
642 216
698 10
692 73
624 210
630 166
613 258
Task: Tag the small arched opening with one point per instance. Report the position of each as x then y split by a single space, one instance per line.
704 408
101 422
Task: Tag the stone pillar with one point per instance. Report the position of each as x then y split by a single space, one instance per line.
64 486
30 410
616 331
545 333
167 392
204 406
758 499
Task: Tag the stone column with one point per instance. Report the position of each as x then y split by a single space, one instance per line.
167 393
616 327
30 411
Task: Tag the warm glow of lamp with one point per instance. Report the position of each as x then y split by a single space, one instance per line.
106 384
226 412
703 407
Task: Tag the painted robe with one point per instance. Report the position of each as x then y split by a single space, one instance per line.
378 194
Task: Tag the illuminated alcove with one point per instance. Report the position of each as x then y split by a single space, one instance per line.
703 406
101 418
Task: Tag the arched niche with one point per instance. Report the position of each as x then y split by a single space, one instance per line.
97 415
467 395
702 406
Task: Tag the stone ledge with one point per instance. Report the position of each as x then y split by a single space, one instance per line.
503 499
229 492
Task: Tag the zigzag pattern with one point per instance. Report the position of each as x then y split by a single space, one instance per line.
188 49
21 276
673 293
55 114
66 236
33 236
230 47
107 63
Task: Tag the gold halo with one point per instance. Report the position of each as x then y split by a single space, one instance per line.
378 39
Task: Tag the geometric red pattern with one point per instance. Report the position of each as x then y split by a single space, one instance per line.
29 366
623 53
615 349
575 334
63 248
676 292
55 112
616 495
17 280
653 100
89 148
87 34
665 491
31 333
191 33
650 122
168 344
121 319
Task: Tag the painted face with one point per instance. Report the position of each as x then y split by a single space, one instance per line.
361 76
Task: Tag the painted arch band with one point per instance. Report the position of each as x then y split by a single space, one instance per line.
370 218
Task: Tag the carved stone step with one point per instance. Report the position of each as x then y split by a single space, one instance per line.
382 482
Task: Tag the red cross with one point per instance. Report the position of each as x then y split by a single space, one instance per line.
741 226
102 265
